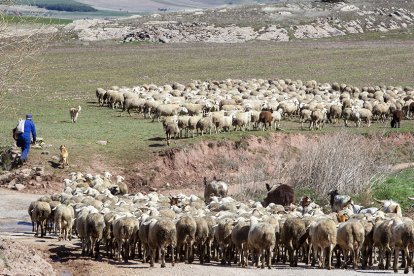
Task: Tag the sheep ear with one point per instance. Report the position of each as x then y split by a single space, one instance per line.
205 181
379 201
411 197
268 186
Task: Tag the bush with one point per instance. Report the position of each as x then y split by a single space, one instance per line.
349 163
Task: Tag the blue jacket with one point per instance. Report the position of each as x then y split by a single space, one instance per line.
29 127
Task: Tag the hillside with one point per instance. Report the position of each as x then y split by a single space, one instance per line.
155 5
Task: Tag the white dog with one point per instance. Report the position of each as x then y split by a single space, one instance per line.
74 113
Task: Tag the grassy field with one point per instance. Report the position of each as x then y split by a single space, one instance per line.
35 20
397 187
70 72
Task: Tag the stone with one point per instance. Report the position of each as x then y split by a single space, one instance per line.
12 183
152 189
5 176
38 179
45 152
19 187
26 172
102 142
55 158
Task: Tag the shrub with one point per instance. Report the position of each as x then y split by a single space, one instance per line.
349 163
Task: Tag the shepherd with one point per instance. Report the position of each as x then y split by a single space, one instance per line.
22 135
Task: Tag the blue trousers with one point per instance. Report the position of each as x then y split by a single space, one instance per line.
24 144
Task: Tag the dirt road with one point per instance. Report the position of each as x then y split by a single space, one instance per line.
66 259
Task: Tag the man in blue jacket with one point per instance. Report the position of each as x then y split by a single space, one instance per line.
24 141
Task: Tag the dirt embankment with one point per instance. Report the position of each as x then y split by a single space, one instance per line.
250 160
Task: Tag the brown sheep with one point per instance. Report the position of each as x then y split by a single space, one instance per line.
265 118
397 117
279 194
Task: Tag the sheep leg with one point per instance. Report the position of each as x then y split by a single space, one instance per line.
152 254
395 264
269 258
406 259
42 229
172 255
162 249
388 258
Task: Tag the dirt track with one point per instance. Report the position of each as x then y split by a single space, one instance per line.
65 256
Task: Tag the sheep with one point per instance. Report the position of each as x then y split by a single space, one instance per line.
265 118
115 99
214 188
261 240
305 116
40 214
167 110
204 124
182 122
171 131
255 115
186 229
279 194
402 239
222 236
192 124
317 117
30 211
242 120
294 234
288 108
133 103
143 233
335 112
223 122
63 218
382 238
74 113
239 237
359 114
367 246
397 117
100 92
194 109
381 111
162 233
201 237
95 225
323 235
339 202
350 237
123 230
390 206
120 187
80 225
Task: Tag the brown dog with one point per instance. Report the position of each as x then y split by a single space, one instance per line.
63 156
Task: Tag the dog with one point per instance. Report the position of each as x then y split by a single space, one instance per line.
63 156
74 113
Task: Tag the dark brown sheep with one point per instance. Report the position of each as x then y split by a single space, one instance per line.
279 194
397 117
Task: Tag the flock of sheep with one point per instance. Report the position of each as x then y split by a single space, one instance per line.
258 104
148 227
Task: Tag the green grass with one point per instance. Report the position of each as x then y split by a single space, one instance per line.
35 20
70 72
398 187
